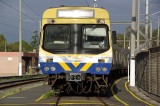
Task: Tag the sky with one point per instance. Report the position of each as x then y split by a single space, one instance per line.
32 10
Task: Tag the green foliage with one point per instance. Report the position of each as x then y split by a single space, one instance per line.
49 94
14 47
120 36
2 43
2 38
35 41
154 34
26 47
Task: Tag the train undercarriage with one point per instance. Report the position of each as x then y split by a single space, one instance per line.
76 83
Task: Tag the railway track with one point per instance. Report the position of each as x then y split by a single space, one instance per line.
8 84
99 99
58 99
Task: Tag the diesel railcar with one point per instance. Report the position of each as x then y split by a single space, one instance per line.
76 49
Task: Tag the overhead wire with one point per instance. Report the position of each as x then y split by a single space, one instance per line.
87 3
31 8
3 17
19 11
15 27
154 20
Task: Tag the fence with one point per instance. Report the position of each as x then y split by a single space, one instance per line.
148 72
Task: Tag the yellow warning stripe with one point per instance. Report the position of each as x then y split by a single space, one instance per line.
136 96
75 64
96 103
115 94
43 96
65 66
86 66
27 104
80 103
55 103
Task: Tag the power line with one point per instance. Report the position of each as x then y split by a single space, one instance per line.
87 3
15 27
30 8
18 11
18 20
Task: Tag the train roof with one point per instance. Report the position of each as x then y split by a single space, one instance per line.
98 12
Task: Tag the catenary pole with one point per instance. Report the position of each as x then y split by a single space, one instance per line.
95 3
39 40
158 32
133 34
146 22
150 44
138 24
5 45
124 39
20 39
158 26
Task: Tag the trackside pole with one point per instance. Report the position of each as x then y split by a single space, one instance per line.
128 67
133 34
20 40
132 73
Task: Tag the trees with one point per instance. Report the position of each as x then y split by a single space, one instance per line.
14 47
2 43
35 41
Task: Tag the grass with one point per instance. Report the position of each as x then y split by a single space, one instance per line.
49 94
1 94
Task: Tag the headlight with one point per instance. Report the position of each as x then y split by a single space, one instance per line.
98 69
53 68
46 68
104 69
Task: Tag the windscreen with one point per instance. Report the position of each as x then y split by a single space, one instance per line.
95 37
56 37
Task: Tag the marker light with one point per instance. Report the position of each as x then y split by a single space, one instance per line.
46 68
104 69
50 21
98 69
100 21
75 13
53 68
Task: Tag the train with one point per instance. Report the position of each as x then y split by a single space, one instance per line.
76 49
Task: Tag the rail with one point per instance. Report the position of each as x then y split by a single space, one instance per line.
57 100
8 84
101 100
10 77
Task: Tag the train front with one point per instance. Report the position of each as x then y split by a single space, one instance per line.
75 45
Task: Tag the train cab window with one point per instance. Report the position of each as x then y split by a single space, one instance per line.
56 37
95 37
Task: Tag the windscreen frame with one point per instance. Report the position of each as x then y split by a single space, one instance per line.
107 36
57 48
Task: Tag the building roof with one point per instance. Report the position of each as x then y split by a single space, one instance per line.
16 54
